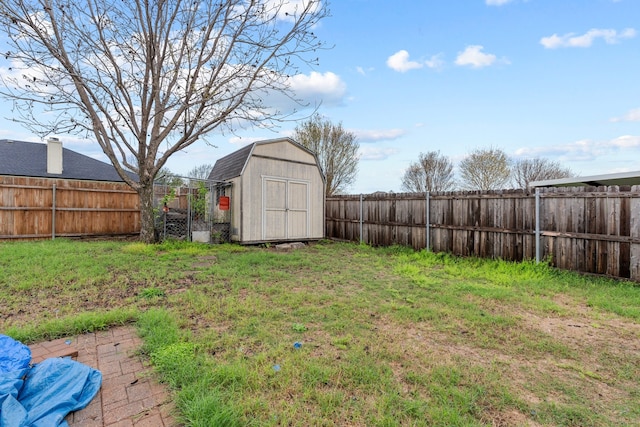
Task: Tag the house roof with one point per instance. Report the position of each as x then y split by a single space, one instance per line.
232 165
20 158
623 178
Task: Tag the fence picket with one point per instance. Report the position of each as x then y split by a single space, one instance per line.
595 230
81 208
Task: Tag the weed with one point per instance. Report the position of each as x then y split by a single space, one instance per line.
174 362
342 343
567 415
298 327
158 329
150 293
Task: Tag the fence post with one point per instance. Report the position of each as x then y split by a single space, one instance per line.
427 240
188 225
361 237
53 212
537 225
164 220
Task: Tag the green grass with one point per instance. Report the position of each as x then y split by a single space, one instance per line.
80 323
387 336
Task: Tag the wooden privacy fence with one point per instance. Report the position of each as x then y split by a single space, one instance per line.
37 208
587 229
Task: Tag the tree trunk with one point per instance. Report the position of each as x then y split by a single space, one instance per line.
147 215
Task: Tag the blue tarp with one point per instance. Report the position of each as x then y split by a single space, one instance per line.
42 395
13 355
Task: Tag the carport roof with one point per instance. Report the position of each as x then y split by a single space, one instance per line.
622 178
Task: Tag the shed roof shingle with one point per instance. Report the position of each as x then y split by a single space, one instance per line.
231 165
20 158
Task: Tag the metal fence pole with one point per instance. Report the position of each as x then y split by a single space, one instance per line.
361 236
427 219
188 225
53 213
537 225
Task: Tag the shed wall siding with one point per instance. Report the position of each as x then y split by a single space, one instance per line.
284 150
269 166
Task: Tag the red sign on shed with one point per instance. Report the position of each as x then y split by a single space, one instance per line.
224 203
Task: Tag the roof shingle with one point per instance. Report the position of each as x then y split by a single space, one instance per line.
20 158
231 165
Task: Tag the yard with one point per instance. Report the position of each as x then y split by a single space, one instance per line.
343 335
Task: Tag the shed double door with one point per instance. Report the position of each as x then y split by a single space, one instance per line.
285 209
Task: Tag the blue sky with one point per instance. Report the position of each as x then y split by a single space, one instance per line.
536 78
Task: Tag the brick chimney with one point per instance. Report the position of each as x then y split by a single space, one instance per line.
54 156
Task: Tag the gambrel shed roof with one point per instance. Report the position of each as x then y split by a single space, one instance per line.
232 165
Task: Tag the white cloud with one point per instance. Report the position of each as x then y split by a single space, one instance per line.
435 62
625 141
363 136
583 150
327 87
378 135
497 2
376 153
631 116
16 133
475 58
400 62
587 39
364 71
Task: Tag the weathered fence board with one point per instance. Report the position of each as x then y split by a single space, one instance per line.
37 208
588 229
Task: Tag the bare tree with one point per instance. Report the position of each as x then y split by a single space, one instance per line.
432 172
200 171
149 78
485 169
168 178
336 148
527 170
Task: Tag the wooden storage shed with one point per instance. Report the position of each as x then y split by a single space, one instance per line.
276 193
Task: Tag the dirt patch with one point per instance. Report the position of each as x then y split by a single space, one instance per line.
617 335
320 343
419 347
508 419
205 261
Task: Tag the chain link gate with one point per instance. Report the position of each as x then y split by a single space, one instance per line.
193 210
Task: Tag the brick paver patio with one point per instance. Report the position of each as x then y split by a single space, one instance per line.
129 395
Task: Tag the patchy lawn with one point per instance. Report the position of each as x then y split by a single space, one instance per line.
344 335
